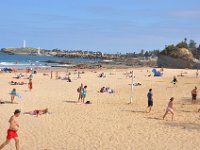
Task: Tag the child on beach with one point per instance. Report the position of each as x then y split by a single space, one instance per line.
83 94
150 101
30 84
194 95
169 108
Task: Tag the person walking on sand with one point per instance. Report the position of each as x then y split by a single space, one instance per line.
56 75
169 108
174 81
79 75
79 90
12 131
51 74
194 95
13 93
30 84
83 94
150 101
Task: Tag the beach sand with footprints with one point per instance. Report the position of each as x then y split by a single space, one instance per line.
109 123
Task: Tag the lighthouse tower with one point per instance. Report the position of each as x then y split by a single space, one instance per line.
39 53
24 43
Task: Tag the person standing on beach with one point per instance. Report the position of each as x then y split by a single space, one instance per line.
79 75
150 101
30 84
56 75
79 90
83 94
197 73
13 93
51 74
169 108
194 95
12 131
174 81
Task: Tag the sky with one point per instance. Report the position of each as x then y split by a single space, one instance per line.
98 25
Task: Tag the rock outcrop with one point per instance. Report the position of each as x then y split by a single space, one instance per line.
180 58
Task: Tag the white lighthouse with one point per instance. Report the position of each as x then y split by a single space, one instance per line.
24 43
39 53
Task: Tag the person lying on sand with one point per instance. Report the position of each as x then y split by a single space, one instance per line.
2 102
181 75
68 79
102 75
137 84
169 108
37 112
19 76
106 89
45 74
16 83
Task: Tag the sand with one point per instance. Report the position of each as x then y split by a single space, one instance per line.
109 123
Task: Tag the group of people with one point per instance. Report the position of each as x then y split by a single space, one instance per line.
82 91
169 108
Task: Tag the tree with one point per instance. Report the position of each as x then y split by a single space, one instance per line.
146 54
193 48
192 44
182 45
141 53
198 52
185 40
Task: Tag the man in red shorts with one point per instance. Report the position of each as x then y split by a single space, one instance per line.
12 131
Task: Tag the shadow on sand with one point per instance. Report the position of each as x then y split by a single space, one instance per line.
134 111
154 118
187 100
188 126
70 102
7 102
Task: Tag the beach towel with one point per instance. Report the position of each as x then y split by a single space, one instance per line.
16 94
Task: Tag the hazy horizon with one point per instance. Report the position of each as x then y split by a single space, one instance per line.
106 26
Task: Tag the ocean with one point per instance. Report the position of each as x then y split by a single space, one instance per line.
24 61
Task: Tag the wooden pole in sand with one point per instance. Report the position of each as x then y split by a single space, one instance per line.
131 98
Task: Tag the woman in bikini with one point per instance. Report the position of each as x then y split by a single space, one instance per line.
37 112
169 108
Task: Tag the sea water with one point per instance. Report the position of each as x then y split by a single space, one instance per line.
24 61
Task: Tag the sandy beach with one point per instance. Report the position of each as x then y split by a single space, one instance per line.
109 123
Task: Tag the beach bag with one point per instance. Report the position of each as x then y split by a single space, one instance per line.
88 102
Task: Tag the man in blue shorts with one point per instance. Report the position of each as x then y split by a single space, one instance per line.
150 101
